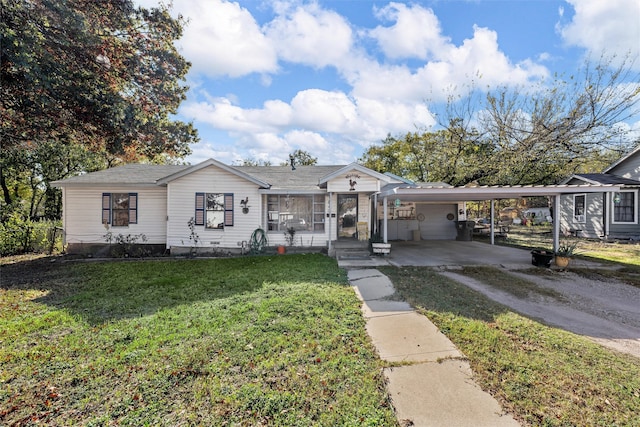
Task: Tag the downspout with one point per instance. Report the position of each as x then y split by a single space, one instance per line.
492 229
556 222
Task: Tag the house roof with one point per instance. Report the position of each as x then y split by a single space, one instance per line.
131 174
601 178
212 162
343 169
303 178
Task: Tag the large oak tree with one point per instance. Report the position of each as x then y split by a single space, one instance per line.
95 83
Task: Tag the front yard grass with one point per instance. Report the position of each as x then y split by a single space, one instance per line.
543 375
246 341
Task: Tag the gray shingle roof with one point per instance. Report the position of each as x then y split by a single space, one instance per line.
282 177
125 174
605 178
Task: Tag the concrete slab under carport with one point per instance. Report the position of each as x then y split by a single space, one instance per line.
434 253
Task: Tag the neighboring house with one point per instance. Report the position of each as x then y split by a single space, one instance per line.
608 214
223 205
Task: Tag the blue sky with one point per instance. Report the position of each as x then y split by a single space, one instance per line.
334 77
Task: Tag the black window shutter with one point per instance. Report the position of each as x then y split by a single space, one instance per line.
199 216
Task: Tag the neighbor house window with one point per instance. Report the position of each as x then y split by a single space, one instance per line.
300 212
214 210
119 209
579 203
625 206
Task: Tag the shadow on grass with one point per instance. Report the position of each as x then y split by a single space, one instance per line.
426 289
101 291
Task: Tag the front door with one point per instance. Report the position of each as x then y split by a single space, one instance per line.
347 216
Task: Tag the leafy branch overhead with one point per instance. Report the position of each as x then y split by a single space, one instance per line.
102 76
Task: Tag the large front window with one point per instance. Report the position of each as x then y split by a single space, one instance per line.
300 212
624 207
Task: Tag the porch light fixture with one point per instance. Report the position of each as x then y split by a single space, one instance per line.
616 198
245 207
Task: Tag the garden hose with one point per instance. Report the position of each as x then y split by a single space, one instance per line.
258 241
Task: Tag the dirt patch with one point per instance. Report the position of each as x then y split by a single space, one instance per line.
606 311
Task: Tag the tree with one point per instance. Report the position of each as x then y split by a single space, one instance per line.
517 137
301 158
253 162
99 77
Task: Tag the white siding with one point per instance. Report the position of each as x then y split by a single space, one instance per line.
181 208
630 168
82 212
364 183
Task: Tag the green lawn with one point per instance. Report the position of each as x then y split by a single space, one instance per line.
544 376
274 340
246 341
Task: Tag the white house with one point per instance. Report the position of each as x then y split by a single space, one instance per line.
224 205
605 214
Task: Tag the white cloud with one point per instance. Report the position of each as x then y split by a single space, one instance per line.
452 70
310 35
222 114
415 34
610 27
222 38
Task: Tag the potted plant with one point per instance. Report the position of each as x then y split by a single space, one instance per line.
541 257
564 253
378 246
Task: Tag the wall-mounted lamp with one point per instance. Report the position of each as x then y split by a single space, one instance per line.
245 207
616 198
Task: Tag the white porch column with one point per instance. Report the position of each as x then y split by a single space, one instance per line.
386 215
556 222
492 229
328 217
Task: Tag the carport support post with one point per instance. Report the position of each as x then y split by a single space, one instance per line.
556 222
384 232
492 220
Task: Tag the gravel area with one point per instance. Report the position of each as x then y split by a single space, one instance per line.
607 312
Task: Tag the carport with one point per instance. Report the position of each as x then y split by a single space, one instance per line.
444 194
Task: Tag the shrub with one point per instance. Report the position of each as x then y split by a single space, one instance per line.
19 235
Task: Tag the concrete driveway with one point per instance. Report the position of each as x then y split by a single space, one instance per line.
435 253
432 253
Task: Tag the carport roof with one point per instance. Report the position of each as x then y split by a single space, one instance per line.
431 193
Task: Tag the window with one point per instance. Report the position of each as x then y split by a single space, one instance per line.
624 206
214 210
119 209
300 212
579 203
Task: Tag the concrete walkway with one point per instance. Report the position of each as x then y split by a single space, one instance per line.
435 387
